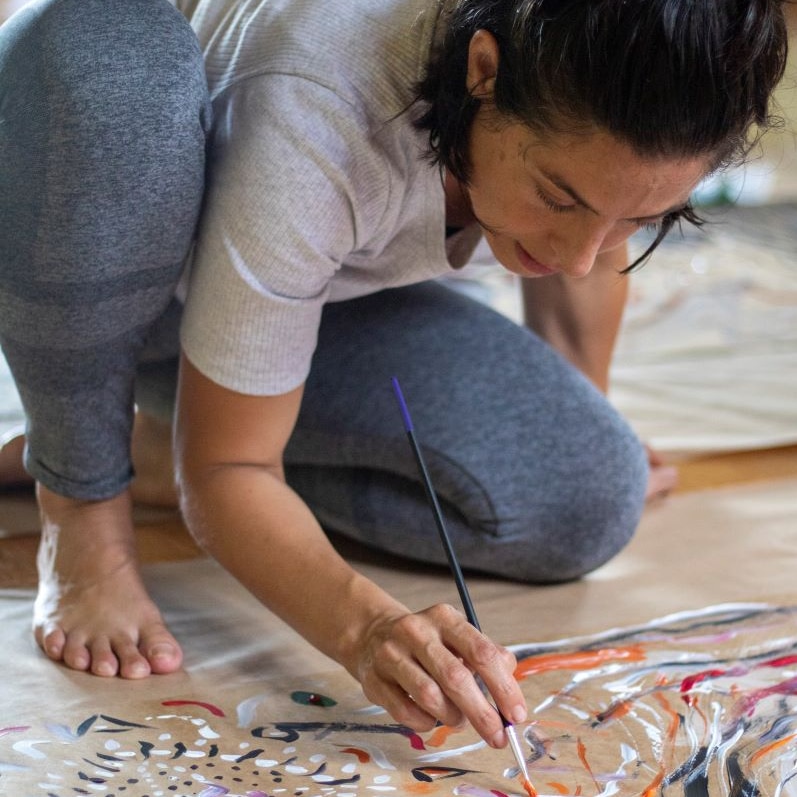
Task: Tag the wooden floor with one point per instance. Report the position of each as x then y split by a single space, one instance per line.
163 538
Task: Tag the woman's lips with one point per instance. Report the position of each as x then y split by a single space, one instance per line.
529 264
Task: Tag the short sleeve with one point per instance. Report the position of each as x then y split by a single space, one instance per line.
294 185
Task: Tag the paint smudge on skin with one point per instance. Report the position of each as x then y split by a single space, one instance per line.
215 710
313 699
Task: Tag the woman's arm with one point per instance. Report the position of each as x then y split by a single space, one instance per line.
580 318
236 503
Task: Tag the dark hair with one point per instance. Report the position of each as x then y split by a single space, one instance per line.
670 78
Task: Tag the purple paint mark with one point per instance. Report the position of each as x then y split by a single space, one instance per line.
14 729
215 791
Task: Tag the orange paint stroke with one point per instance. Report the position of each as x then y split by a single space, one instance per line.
440 736
362 756
615 711
577 660
530 790
419 787
582 755
560 787
768 748
675 719
653 788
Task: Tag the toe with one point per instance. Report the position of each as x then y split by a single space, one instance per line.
132 664
52 641
161 650
103 659
76 655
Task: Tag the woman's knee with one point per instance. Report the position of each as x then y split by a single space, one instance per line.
107 101
585 514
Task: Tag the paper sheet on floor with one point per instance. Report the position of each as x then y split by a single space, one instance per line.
252 713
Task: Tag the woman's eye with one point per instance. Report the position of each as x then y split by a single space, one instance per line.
650 226
552 204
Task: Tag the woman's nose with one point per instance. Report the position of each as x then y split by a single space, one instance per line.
577 249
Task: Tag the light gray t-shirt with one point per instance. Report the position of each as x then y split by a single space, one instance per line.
319 188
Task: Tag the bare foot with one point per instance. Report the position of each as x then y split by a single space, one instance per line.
662 479
153 463
92 611
12 473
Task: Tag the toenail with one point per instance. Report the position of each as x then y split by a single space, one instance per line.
161 652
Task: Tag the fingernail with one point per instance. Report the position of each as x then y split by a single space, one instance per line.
519 714
499 739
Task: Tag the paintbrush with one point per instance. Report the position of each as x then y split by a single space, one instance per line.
456 570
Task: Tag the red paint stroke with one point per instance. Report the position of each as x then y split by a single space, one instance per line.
577 660
749 702
783 661
14 729
691 680
498 793
698 677
415 741
209 706
362 756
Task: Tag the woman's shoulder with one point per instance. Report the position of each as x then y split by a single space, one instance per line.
366 52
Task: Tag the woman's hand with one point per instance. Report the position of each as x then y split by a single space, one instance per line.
421 667
662 479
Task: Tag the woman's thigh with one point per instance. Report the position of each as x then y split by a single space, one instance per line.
103 111
540 478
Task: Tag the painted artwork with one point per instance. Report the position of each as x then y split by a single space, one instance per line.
701 703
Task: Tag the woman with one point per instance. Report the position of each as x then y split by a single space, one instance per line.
353 150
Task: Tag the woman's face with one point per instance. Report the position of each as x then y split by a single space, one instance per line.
553 204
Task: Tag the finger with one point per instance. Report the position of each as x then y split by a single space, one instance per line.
398 662
495 666
398 702
455 675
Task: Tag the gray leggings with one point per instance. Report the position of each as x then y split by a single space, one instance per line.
103 121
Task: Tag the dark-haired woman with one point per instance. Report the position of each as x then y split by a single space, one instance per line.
314 164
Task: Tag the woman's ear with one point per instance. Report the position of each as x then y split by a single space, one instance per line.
482 64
